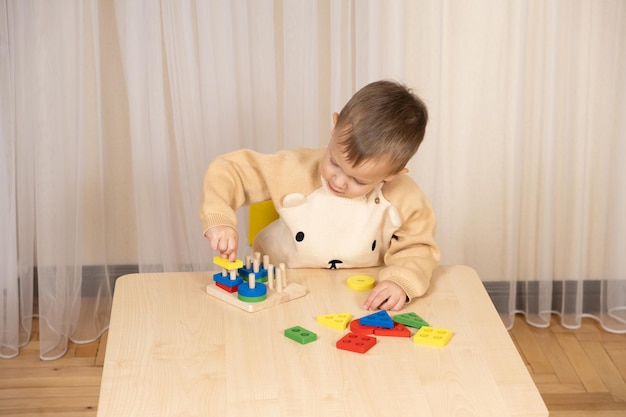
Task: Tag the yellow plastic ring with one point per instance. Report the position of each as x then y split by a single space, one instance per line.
360 282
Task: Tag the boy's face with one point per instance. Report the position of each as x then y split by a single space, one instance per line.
345 180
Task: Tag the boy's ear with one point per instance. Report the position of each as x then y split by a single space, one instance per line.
335 118
389 178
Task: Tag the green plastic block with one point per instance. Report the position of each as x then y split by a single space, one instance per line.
256 299
300 335
410 319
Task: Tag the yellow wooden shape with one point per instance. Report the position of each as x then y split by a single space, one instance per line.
432 336
337 321
360 282
261 215
226 264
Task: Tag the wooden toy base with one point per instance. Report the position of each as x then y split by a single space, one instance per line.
290 292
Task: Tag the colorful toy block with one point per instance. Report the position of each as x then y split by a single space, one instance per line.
337 321
360 282
356 343
252 294
410 319
432 336
226 264
227 288
379 319
300 335
225 280
398 330
358 328
260 276
279 291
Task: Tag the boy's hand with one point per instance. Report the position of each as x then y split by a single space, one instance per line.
386 295
224 239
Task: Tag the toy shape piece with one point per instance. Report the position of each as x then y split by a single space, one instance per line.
227 281
283 271
410 319
300 335
398 331
432 336
360 282
356 343
358 328
226 287
379 319
270 275
337 321
278 275
253 292
226 264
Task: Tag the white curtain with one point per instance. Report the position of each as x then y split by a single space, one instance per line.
110 111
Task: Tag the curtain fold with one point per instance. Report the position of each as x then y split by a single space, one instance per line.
111 110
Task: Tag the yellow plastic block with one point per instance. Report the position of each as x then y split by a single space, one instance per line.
226 264
337 321
360 282
432 336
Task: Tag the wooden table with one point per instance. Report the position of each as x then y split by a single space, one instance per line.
174 350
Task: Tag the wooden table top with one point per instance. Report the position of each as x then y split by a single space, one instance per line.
175 350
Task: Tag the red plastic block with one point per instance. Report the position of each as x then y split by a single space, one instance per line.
226 287
399 330
358 328
356 343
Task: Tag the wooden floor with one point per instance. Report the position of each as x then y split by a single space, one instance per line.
579 373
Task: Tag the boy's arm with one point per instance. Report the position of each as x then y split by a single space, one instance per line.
231 181
244 177
414 253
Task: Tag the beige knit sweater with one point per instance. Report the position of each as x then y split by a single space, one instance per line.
393 226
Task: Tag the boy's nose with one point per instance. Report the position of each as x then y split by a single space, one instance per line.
340 181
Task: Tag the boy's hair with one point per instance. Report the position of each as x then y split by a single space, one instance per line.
383 119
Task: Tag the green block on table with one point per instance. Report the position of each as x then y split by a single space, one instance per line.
410 319
300 335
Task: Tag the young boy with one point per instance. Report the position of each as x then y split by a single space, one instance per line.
345 206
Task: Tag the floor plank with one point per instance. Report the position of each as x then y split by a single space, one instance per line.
588 375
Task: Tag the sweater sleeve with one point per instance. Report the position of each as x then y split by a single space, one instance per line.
245 177
414 253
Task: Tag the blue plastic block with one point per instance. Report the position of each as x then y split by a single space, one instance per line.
379 319
226 281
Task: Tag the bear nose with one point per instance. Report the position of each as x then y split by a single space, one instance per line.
333 263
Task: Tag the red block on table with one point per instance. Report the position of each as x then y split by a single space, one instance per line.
358 328
356 343
399 330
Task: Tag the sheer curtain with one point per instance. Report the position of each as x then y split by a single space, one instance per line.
52 176
111 110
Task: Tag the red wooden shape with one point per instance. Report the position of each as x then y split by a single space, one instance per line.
356 342
227 288
358 328
399 330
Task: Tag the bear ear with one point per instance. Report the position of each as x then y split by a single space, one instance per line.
293 200
394 216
